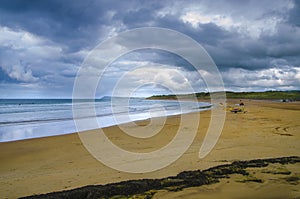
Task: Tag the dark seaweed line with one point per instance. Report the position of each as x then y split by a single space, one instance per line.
182 180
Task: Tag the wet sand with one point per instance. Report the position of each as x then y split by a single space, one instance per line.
266 130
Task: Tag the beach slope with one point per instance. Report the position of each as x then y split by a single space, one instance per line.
267 130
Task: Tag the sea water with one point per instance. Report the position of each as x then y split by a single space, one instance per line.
31 118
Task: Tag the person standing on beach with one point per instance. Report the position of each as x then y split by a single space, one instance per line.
241 103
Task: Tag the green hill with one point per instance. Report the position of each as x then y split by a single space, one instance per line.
267 95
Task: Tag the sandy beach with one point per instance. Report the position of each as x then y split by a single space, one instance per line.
267 130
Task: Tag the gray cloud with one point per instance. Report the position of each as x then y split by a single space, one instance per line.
42 43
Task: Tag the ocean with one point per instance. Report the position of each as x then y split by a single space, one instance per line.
32 118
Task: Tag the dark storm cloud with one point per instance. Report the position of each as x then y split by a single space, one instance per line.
68 22
230 47
294 15
156 56
52 37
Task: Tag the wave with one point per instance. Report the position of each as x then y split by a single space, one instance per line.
56 116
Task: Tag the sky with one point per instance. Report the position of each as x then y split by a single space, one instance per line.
255 45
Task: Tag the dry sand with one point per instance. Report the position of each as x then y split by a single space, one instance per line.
267 129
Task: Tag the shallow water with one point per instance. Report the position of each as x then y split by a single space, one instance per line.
32 118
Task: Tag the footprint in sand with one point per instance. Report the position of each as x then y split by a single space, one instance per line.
282 131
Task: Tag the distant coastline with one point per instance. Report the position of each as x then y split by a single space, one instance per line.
266 95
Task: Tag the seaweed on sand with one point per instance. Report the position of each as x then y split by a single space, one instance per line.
146 188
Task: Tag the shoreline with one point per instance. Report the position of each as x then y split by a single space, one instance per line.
260 102
59 163
51 127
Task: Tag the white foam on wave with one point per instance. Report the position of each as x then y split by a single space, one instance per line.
19 122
